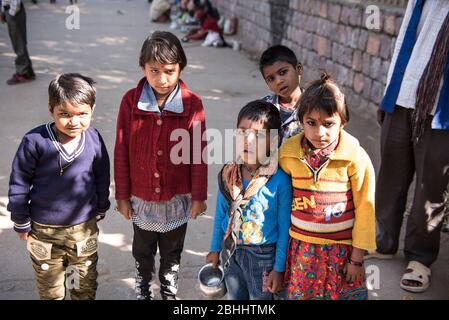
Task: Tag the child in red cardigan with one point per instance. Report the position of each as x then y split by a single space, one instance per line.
160 179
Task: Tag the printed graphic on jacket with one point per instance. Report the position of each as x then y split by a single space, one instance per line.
253 219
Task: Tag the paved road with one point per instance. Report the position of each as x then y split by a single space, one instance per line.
106 47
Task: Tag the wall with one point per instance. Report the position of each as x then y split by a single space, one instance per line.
325 34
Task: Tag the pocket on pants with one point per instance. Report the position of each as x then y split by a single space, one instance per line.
39 250
87 246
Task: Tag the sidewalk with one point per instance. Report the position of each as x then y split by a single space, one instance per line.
106 47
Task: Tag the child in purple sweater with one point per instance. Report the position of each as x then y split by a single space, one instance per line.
59 189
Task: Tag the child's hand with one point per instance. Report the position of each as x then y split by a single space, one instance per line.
124 207
24 236
214 258
275 281
198 208
354 273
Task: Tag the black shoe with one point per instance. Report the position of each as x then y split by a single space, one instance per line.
147 297
31 75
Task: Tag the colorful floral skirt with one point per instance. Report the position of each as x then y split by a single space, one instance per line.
315 271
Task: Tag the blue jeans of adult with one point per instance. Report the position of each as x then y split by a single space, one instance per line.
248 267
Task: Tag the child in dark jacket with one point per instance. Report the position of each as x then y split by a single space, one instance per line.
59 189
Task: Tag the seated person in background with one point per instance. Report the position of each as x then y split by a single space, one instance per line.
160 11
208 17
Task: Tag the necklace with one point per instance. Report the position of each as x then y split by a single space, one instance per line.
61 167
251 173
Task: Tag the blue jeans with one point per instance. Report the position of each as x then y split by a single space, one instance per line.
244 278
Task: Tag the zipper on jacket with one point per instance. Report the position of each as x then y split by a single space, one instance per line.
315 172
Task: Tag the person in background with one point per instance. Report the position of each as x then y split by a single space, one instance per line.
414 118
13 13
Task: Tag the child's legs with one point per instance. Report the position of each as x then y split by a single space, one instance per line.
171 245
144 250
260 262
82 276
235 277
81 272
50 275
50 272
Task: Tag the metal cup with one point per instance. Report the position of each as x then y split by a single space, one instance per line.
211 281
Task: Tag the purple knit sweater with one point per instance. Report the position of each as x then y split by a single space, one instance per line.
39 193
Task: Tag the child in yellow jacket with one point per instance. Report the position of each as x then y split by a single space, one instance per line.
332 219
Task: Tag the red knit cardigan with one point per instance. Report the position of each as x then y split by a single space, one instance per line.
142 165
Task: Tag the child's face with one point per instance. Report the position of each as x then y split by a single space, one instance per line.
253 141
282 78
321 129
72 120
163 78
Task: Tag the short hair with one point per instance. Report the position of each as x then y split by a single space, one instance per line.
277 53
259 110
73 88
323 95
163 47
199 4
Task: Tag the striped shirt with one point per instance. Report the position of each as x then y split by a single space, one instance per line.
334 204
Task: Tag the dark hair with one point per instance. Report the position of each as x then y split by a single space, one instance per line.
277 53
163 47
323 95
259 110
71 87
199 4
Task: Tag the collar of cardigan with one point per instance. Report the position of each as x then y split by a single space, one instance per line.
148 100
183 91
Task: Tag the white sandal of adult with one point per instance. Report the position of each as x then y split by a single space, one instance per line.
419 273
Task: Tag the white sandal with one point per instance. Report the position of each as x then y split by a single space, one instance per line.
418 272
